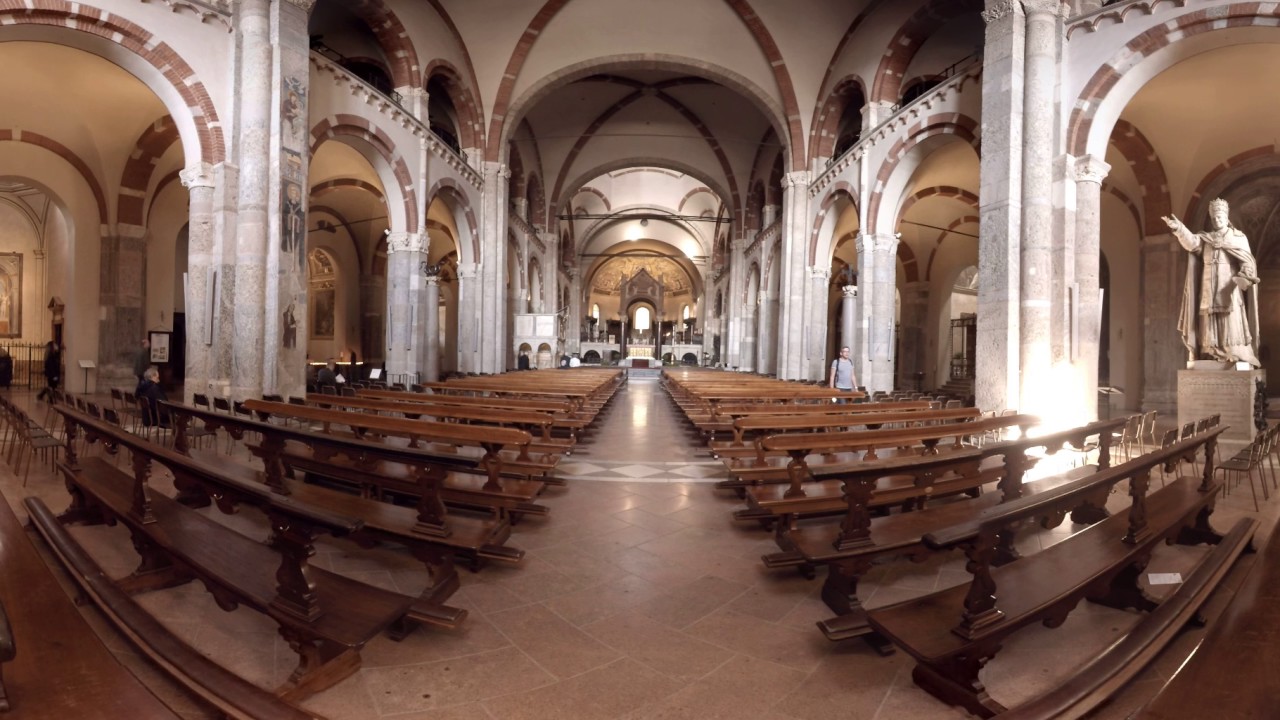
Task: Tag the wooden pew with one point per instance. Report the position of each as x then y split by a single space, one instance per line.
562 415
326 618
849 546
762 425
79 676
730 413
953 633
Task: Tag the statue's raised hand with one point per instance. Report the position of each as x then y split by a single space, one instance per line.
1173 222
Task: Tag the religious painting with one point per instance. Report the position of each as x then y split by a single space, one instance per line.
290 330
10 294
322 314
293 109
293 230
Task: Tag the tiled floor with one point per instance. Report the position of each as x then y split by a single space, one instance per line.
639 598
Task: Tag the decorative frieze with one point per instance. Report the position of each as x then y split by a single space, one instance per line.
998 11
206 11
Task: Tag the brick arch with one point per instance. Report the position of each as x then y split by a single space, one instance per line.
471 127
938 191
1120 195
817 123
942 236
1147 45
392 37
1197 199
449 188
823 138
838 189
608 206
689 196
960 126
537 201
182 78
355 126
329 186
1147 168
911 36
795 132
910 268
138 169
62 151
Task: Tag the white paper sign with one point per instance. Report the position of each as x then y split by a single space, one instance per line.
1164 578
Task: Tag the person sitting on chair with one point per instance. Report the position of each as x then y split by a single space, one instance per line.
150 394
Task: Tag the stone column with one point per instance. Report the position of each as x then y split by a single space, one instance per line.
469 306
848 306
860 350
748 333
880 333
766 342
405 303
574 312
493 263
431 311
795 247
201 264
1036 297
247 277
1090 172
817 307
912 333
1163 354
122 298
997 386
731 345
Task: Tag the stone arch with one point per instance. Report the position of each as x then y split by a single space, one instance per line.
911 36
942 237
915 141
1105 95
1213 182
1149 171
822 140
463 99
940 191
455 196
62 151
329 186
136 177
380 150
155 64
838 190
502 126
394 39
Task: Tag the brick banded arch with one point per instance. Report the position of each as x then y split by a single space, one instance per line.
114 29
1147 168
138 169
795 132
911 36
839 190
329 186
818 124
1120 195
938 191
393 38
1197 200
451 193
62 151
1147 45
942 237
354 126
960 126
827 120
470 124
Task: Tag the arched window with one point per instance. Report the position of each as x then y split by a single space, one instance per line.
684 314
642 318
595 310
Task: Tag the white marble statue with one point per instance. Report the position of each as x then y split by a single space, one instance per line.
1219 318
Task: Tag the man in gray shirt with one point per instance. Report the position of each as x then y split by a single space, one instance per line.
842 372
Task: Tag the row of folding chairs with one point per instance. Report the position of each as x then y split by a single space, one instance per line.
24 438
1252 461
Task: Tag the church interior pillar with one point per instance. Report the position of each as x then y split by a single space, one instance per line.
1163 354
880 327
405 303
1090 172
911 333
493 267
791 336
431 317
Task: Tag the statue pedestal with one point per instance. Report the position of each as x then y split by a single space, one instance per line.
1229 393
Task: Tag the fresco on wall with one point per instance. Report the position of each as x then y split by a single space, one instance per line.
614 271
289 336
10 294
322 314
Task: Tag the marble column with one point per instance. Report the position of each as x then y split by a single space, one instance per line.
1037 277
818 309
848 307
1090 172
860 350
1163 354
748 332
202 264
405 303
122 299
431 316
766 340
731 345
883 302
247 277
469 306
912 333
1000 215
795 251
492 293
574 312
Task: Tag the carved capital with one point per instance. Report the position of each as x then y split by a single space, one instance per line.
1042 7
406 242
998 10
303 5
198 175
849 291
799 178
820 273
1092 168
468 271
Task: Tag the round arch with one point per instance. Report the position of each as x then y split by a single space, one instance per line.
364 138
904 158
567 191
448 191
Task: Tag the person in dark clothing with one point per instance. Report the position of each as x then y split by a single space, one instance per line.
150 392
6 368
328 376
142 360
52 371
522 362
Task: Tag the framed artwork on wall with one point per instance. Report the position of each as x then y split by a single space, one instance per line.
159 346
322 313
10 295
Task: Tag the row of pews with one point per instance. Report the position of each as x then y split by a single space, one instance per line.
846 487
445 475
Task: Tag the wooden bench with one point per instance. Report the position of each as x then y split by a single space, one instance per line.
761 426
731 413
325 618
953 633
575 424
80 677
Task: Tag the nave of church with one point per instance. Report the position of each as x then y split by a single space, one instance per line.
638 597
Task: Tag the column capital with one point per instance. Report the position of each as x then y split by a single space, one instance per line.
198 175
1092 169
468 271
998 10
1042 7
406 242
764 296
497 170
849 291
799 178
877 242
304 5
820 273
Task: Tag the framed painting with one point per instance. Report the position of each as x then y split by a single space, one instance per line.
159 347
10 295
322 313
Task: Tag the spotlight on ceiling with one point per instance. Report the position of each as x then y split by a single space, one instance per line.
644 222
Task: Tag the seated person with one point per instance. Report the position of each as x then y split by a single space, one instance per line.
328 376
150 394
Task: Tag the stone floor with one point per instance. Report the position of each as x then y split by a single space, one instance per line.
638 598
